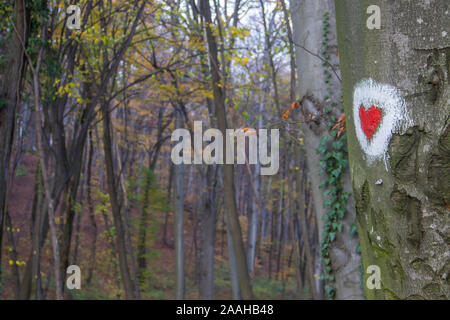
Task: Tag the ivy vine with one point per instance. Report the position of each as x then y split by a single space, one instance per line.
333 162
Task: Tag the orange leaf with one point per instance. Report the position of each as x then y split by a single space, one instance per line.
335 126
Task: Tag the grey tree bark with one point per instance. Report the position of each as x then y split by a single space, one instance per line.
208 236
254 204
402 198
254 208
307 28
235 288
208 219
179 220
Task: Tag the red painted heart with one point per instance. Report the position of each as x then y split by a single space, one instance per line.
370 120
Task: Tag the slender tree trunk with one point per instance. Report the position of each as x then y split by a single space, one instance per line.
126 220
179 221
279 233
228 169
71 194
400 172
169 196
236 289
295 248
272 240
208 219
208 236
41 226
28 278
304 225
91 210
115 206
253 213
143 223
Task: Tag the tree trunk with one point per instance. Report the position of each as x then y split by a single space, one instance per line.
208 218
253 209
91 210
115 206
228 169
169 197
308 27
148 181
235 288
208 236
295 240
304 224
179 220
400 168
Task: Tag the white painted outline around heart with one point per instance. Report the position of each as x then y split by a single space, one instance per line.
394 117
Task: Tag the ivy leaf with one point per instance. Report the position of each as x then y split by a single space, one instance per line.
353 229
332 236
330 291
337 145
